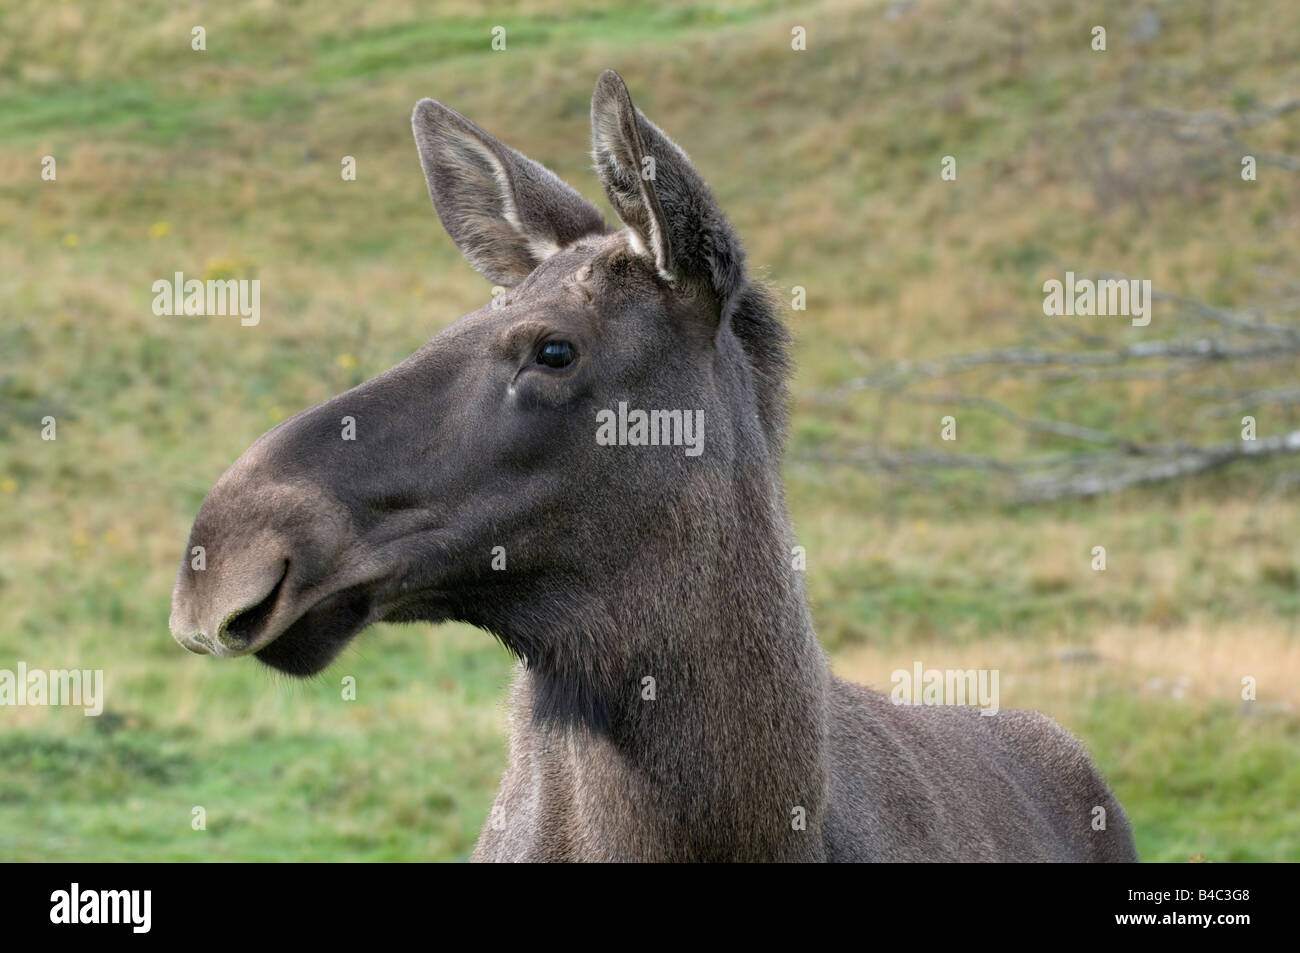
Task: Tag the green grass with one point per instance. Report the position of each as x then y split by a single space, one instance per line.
227 162
280 769
1186 763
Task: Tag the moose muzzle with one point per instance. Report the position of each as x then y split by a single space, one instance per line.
263 547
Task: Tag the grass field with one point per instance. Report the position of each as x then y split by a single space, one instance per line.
226 162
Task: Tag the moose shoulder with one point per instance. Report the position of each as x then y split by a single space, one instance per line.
673 702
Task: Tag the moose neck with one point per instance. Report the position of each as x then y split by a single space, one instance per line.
704 691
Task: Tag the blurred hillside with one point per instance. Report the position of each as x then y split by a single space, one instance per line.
226 163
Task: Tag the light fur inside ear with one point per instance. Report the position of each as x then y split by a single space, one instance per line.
620 155
539 246
506 212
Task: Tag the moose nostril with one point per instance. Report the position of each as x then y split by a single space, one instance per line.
241 627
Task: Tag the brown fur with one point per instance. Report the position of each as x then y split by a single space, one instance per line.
627 566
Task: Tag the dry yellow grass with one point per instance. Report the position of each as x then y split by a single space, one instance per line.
1191 664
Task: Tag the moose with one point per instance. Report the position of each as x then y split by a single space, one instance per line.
672 701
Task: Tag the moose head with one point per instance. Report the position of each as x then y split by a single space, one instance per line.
472 481
523 472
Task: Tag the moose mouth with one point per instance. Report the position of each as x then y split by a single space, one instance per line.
296 614
317 636
242 628
296 641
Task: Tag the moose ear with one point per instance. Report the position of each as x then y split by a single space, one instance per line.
505 212
658 194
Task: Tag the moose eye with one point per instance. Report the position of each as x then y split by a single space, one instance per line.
556 354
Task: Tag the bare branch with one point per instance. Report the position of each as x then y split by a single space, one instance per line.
1199 350
1038 425
1240 400
1118 460
1227 319
1190 462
